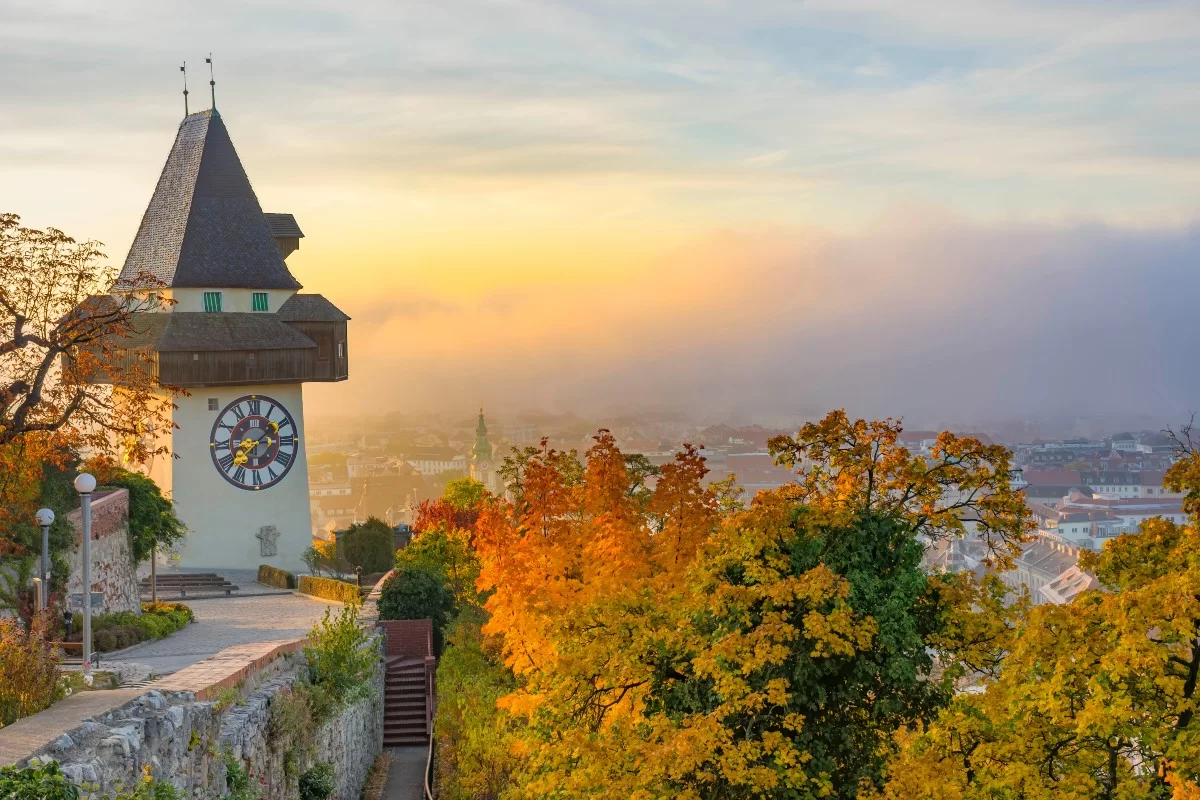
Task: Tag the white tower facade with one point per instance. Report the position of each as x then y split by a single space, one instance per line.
234 331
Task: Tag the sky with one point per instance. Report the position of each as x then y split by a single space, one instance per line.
733 208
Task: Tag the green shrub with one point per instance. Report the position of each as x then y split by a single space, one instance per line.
291 726
146 789
125 629
43 782
152 519
340 659
370 545
318 783
279 578
330 589
475 739
238 785
418 591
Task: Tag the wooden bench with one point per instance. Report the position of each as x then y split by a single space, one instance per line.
197 583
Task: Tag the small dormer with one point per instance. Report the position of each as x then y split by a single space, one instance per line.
286 232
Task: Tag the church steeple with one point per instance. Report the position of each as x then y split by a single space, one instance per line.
482 450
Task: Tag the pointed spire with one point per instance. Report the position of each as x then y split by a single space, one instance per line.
482 450
212 83
204 226
183 69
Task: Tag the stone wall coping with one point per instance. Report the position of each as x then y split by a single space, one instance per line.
225 670
105 503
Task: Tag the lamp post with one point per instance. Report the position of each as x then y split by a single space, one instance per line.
85 484
45 518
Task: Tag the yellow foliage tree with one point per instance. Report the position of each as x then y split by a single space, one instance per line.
1095 699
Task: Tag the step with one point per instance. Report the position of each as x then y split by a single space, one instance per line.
406 742
407 705
407 715
413 726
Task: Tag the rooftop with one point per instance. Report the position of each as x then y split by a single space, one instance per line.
204 226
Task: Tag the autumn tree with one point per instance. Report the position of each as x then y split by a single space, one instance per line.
64 344
1093 699
688 647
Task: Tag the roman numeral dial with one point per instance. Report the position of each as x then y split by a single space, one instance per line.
254 442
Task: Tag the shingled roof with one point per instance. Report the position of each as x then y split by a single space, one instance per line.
204 226
310 308
283 225
206 331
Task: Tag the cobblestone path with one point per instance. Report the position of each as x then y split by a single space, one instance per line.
225 621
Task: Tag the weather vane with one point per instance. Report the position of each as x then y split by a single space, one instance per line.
212 84
183 69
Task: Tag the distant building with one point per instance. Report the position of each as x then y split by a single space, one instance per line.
1048 567
521 433
1125 442
436 460
1124 483
358 466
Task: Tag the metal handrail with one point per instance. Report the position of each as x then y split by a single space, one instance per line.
428 769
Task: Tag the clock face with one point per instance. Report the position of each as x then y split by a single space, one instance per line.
253 442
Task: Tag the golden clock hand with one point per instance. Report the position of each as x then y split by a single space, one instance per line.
273 425
240 458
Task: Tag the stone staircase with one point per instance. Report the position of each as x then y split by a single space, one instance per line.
405 722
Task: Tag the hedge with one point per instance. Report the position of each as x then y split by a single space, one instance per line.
125 628
279 578
329 589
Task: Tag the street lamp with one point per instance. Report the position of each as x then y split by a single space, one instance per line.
85 484
45 518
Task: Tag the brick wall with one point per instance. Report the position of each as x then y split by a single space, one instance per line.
408 638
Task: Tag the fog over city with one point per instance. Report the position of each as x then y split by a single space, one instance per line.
924 315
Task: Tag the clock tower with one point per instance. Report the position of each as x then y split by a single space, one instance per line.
235 332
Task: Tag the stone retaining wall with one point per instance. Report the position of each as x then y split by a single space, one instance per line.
113 570
186 741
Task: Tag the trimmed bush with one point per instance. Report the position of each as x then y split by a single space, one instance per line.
329 589
125 629
279 578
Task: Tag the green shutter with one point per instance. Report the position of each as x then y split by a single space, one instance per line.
259 301
212 301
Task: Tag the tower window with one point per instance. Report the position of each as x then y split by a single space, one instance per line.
212 301
341 349
259 301
212 404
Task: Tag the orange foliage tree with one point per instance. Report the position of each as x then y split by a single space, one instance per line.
677 645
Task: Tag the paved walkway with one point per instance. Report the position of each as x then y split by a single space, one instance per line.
406 776
26 735
222 622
